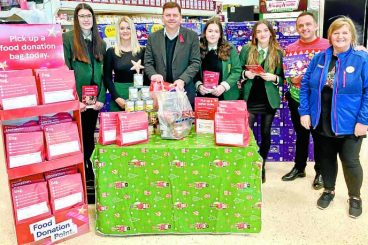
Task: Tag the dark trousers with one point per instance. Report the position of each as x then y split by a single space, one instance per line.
302 137
266 123
348 148
89 120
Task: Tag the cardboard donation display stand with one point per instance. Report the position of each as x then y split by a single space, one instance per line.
42 181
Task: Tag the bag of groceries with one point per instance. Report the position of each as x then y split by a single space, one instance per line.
175 114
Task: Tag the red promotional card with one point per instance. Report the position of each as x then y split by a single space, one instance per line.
56 85
210 79
16 73
25 46
18 92
132 128
66 192
24 148
89 95
205 109
30 126
30 201
108 127
60 172
231 129
36 178
62 139
257 69
60 117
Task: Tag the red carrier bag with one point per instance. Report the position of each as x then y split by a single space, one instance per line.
132 128
205 109
231 129
108 128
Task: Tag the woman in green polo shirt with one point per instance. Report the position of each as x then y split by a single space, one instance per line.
83 52
260 89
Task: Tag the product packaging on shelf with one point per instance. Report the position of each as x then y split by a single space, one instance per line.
132 128
56 85
31 201
108 126
57 118
205 109
18 92
36 178
62 139
30 126
231 129
16 73
60 172
24 148
66 192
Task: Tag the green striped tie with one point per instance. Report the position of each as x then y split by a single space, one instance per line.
260 56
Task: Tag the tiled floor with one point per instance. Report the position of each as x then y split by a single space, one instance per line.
290 216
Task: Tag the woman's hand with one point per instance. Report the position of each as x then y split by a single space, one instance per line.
269 77
203 90
98 106
360 129
120 102
82 107
249 74
219 90
305 121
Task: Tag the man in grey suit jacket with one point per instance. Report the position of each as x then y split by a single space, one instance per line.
172 54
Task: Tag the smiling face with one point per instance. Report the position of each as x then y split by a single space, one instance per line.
306 27
171 19
263 35
125 31
212 34
341 39
85 19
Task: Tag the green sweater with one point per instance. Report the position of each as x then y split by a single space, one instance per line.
231 71
83 71
272 90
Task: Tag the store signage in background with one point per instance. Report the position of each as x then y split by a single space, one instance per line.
30 46
279 6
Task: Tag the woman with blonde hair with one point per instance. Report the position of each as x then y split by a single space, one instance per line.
260 90
119 60
334 102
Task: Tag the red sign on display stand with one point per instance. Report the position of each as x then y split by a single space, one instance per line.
30 46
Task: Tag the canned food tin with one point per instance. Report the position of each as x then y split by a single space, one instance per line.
139 105
129 105
145 93
138 80
148 105
133 93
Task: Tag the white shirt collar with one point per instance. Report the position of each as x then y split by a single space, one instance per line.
212 47
173 36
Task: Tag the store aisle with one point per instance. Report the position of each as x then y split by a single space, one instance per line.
290 216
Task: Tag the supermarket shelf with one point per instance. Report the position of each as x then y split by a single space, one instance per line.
37 168
130 9
39 110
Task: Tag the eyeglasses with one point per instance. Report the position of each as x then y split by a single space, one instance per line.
84 16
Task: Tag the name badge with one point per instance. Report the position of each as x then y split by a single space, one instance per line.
350 69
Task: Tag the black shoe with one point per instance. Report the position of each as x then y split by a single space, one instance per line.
355 207
325 199
317 182
293 174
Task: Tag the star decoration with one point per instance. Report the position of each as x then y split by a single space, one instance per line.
136 66
82 210
3 65
52 32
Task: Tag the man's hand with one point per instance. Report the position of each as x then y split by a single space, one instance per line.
360 129
82 107
98 106
157 78
305 121
179 84
203 90
219 90
120 102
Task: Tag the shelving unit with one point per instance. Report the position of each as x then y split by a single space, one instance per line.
7 175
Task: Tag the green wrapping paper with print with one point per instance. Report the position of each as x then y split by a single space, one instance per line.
122 90
177 187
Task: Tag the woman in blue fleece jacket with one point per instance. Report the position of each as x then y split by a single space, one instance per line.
334 101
